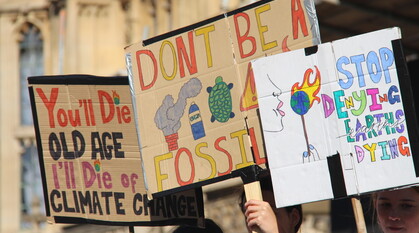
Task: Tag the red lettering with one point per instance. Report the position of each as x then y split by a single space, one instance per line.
179 179
255 148
62 117
49 104
230 160
88 174
249 99
298 16
92 115
140 71
182 55
285 45
126 114
404 150
108 118
245 37
55 176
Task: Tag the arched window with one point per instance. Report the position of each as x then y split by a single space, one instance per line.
31 63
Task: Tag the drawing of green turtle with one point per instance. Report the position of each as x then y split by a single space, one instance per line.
219 101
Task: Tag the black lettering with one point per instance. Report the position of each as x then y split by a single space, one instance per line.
95 150
107 149
117 145
137 198
171 205
55 194
106 195
54 146
191 207
148 206
76 202
85 201
67 154
118 204
65 202
181 205
77 136
160 207
96 204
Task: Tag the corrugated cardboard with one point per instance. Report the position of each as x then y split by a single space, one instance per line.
195 96
89 155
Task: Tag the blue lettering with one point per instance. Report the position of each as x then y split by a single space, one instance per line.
358 59
372 60
387 59
349 82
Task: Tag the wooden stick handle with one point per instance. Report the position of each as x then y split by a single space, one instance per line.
359 215
253 191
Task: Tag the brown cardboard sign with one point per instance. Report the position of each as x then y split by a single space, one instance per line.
90 159
194 91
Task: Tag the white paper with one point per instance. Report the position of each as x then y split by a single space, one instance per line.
344 98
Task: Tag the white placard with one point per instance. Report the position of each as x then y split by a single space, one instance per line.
344 98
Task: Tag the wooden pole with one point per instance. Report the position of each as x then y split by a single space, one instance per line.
359 215
253 191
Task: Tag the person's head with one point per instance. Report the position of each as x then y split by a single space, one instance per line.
398 210
289 218
210 227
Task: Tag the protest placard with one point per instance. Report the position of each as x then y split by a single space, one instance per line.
90 159
338 118
195 96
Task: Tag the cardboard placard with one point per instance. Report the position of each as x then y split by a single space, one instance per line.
195 96
338 118
90 159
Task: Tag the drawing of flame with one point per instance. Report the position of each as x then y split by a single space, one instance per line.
302 99
115 97
97 165
310 88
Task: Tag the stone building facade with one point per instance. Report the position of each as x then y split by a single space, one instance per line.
53 37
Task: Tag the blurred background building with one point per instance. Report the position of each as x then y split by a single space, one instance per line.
50 37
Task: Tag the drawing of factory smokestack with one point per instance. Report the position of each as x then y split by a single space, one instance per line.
168 115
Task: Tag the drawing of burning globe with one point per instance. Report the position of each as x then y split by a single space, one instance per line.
219 101
303 95
300 102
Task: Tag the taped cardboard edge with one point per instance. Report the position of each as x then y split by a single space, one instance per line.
128 63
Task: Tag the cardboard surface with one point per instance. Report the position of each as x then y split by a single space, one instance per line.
338 118
90 158
194 91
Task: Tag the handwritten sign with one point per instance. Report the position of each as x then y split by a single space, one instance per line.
336 119
90 158
195 95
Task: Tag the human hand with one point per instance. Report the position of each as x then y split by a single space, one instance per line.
260 217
